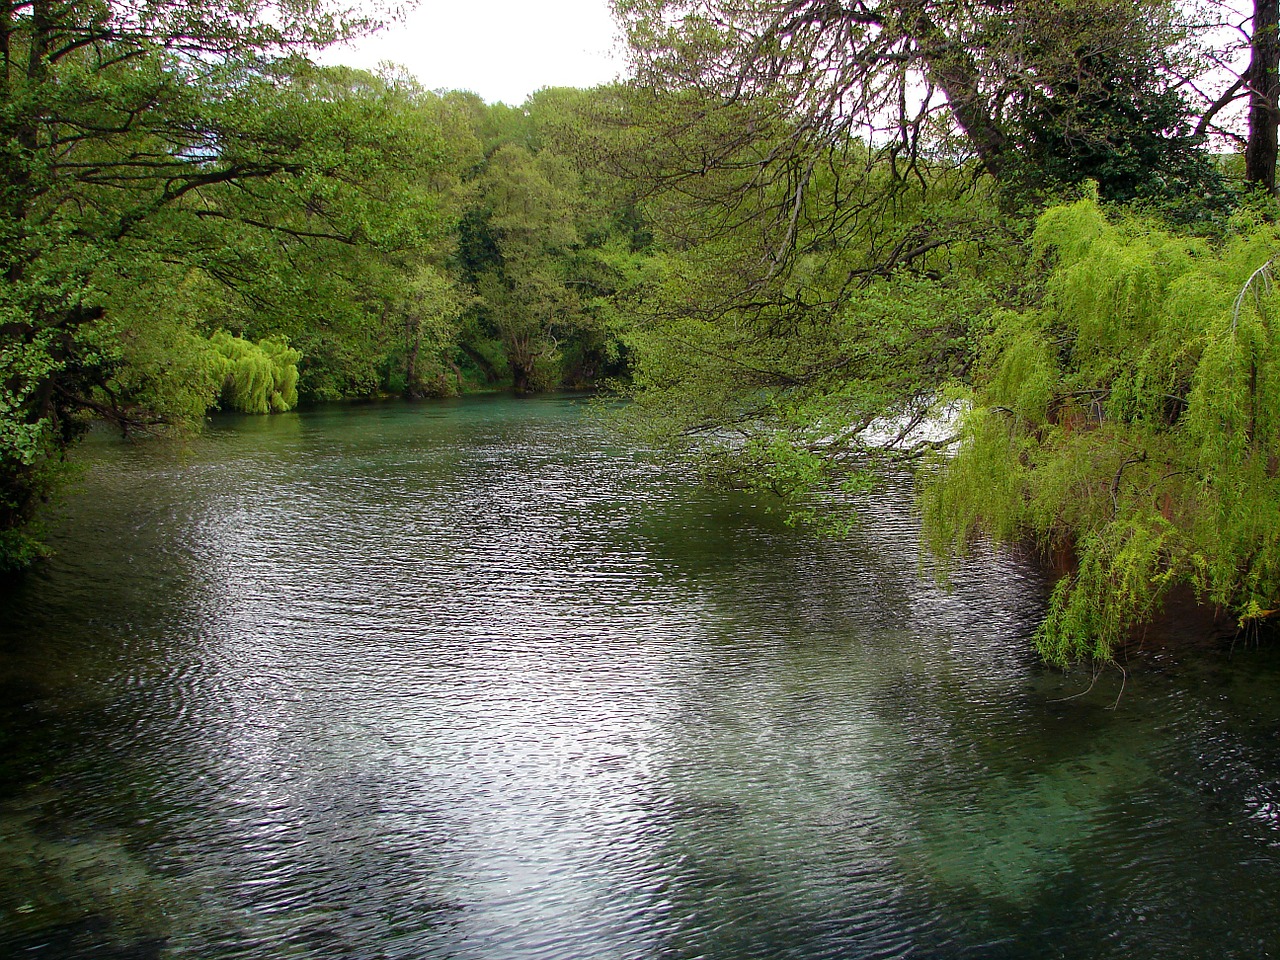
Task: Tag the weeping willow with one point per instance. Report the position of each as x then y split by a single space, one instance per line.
1132 418
257 377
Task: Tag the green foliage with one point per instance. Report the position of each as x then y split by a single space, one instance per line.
19 549
547 244
167 170
1107 108
429 311
330 271
1132 417
27 468
1042 96
794 369
256 377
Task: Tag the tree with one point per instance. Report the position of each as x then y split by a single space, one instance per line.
127 134
338 297
529 226
876 145
544 245
1132 418
1263 83
816 280
844 272
1102 111
833 366
1239 43
428 311
256 377
912 77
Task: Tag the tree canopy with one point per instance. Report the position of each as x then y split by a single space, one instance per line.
1131 417
144 150
810 240
1037 93
852 273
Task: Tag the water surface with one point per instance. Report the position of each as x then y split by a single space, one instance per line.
474 680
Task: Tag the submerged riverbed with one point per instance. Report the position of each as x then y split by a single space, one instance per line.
473 680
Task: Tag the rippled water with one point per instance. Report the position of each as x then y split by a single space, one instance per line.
471 680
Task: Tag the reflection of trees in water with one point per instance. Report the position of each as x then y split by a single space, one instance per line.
855 742
794 583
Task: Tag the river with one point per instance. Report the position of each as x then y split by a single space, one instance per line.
472 679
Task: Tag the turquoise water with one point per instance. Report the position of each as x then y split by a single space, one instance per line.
475 680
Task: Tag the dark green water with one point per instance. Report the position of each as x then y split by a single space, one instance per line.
470 680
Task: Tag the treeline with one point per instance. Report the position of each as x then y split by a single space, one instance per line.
195 216
1021 246
489 260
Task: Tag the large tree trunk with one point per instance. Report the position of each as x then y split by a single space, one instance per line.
491 374
1264 95
521 375
953 68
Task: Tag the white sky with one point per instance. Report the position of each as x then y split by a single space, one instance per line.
503 50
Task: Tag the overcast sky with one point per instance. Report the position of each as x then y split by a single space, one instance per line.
503 50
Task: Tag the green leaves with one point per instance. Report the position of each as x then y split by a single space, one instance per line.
1133 417
793 377
24 369
256 377
174 169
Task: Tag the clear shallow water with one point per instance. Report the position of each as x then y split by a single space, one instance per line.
470 680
